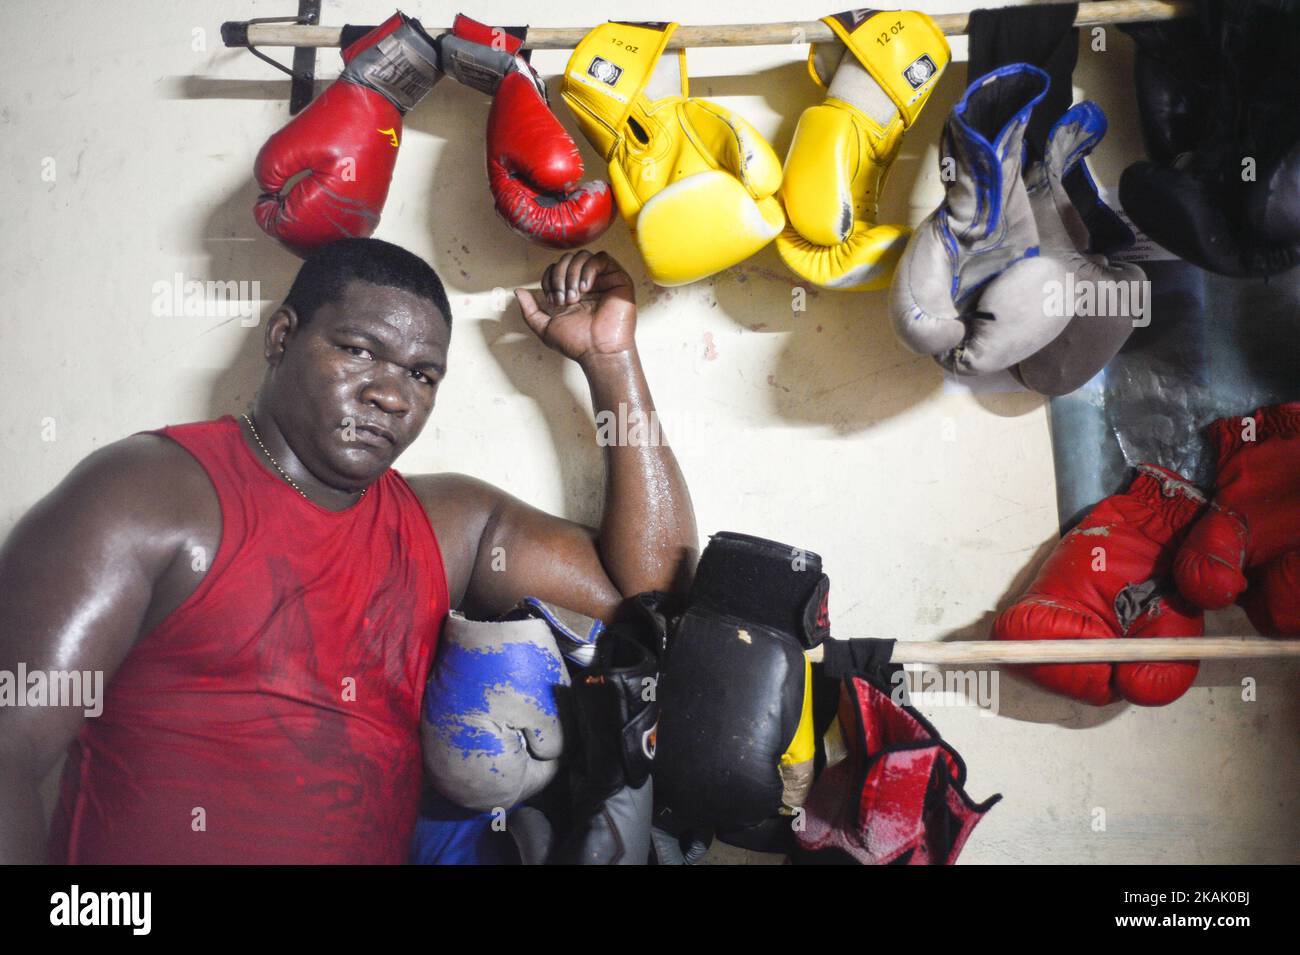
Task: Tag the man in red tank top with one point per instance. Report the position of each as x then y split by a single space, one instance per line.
263 594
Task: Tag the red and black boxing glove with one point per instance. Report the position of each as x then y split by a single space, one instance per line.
534 168
325 175
1111 577
1246 547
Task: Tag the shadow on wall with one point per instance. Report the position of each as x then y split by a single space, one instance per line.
840 366
1019 698
233 244
539 373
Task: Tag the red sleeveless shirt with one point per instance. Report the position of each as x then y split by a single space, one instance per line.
273 716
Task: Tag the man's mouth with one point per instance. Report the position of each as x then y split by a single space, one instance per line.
375 434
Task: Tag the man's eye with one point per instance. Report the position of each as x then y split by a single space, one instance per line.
357 351
422 377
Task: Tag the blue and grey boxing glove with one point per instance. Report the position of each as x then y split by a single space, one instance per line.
973 287
491 728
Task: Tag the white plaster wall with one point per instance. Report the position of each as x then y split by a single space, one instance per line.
930 509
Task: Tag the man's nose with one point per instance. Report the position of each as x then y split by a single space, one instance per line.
389 389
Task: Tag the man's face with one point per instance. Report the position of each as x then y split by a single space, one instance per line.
356 384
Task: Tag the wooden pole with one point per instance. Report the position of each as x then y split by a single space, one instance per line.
988 652
1098 13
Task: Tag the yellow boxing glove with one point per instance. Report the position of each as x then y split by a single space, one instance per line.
694 181
877 78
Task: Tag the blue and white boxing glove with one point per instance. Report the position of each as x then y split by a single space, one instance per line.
492 730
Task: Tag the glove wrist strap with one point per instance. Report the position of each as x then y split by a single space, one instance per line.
608 75
903 51
481 67
402 66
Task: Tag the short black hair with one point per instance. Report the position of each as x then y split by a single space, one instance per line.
328 270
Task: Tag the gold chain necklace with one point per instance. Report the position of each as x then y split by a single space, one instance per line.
276 464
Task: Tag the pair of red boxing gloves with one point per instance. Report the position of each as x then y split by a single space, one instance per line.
1149 561
325 175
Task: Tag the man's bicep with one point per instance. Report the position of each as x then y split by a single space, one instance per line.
76 578
525 552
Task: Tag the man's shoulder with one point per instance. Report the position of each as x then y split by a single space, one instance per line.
451 489
459 508
147 474
148 456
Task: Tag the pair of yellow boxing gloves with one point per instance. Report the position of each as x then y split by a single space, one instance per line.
702 190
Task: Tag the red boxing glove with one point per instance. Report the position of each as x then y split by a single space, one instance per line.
344 145
1249 540
535 171
1110 577
534 168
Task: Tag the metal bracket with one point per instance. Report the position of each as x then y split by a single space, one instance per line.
303 73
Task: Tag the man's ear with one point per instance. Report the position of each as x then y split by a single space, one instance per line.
282 324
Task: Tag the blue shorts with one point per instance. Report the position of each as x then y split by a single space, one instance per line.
446 834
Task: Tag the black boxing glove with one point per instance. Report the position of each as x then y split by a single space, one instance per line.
736 741
616 712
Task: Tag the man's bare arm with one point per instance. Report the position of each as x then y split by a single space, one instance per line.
490 546
76 580
647 537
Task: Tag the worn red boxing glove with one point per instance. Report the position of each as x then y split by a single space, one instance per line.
1109 577
325 175
536 172
1247 545
534 168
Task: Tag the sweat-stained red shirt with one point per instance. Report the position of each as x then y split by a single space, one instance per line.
274 716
